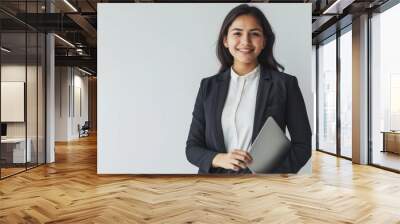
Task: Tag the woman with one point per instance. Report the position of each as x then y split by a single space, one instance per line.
232 106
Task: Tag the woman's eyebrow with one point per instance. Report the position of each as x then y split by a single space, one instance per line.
239 29
236 29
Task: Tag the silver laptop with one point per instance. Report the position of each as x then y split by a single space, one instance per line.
270 144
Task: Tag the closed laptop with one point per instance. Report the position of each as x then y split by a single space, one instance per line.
268 147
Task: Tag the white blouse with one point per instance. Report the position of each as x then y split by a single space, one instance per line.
238 113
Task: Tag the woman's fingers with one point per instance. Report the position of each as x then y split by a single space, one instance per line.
238 163
242 155
230 160
242 158
238 159
235 167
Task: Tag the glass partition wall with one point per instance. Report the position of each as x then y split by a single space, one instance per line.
385 89
22 77
334 104
13 110
334 85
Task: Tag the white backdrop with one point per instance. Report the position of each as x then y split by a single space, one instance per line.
151 58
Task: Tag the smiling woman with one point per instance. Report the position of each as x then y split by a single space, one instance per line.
245 42
232 106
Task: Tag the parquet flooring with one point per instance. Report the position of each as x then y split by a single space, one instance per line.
70 191
10 171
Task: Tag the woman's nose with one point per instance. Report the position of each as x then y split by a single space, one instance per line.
245 39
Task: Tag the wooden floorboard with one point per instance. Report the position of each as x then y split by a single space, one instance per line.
70 191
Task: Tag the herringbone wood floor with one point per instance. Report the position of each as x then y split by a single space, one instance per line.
70 191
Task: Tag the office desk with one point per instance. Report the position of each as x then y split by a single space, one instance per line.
391 141
13 150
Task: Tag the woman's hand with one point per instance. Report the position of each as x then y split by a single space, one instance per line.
233 160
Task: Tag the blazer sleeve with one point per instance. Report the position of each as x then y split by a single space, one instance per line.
196 150
299 129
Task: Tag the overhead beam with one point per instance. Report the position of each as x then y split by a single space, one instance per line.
331 30
84 61
337 7
84 24
49 22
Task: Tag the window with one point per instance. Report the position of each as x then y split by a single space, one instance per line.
327 96
346 94
385 89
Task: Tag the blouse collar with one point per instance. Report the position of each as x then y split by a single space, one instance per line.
249 76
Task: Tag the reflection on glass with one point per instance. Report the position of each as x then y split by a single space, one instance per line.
386 89
346 94
327 97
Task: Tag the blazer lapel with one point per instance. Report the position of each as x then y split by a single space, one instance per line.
222 92
264 87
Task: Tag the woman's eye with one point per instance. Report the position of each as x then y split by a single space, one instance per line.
236 34
256 34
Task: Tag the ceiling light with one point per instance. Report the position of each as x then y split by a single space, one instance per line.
5 50
64 40
79 51
70 5
84 71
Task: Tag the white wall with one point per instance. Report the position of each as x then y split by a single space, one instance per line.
80 112
68 82
61 103
149 71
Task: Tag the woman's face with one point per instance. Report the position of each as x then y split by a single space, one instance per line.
245 39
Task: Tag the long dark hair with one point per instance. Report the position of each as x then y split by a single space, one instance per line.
266 57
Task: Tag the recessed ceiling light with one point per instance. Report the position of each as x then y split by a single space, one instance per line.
84 71
5 50
64 40
70 5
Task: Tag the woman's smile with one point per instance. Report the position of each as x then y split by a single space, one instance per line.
245 50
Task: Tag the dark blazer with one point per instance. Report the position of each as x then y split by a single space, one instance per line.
278 95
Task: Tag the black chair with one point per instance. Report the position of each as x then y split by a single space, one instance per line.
84 130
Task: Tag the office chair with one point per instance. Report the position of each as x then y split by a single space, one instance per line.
84 130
